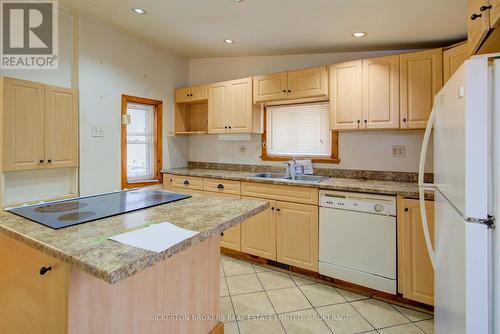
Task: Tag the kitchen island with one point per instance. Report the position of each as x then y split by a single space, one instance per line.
75 280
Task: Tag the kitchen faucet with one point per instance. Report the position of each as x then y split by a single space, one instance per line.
290 169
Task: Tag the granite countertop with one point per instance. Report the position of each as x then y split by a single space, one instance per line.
84 247
407 189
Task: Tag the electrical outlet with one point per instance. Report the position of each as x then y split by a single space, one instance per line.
243 148
398 151
97 131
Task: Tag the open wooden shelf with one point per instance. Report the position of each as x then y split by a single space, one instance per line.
190 132
191 118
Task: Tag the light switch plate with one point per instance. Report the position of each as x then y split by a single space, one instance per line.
398 151
97 131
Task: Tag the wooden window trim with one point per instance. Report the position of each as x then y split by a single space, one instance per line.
157 140
333 159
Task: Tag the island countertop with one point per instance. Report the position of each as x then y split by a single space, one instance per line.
85 246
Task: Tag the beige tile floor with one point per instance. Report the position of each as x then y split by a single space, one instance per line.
254 299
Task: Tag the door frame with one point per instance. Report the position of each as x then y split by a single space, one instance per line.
157 140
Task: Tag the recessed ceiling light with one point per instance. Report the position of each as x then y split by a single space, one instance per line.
139 11
359 34
237 0
228 41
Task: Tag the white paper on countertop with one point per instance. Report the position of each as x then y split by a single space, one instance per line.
155 237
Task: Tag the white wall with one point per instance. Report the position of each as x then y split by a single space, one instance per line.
113 63
357 150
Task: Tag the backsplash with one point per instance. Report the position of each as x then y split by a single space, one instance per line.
347 173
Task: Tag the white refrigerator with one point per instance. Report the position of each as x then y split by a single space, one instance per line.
465 122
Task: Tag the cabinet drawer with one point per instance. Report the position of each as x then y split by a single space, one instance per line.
187 182
280 192
222 186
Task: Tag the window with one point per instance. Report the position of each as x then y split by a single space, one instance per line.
300 130
141 141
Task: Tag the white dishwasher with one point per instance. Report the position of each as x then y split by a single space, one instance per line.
357 239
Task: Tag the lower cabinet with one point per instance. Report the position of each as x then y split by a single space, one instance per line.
258 233
415 272
297 235
231 238
37 302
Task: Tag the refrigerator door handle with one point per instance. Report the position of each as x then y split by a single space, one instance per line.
423 186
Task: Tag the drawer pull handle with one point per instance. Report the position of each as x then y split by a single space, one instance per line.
220 186
485 8
406 209
44 270
186 182
222 234
272 208
475 16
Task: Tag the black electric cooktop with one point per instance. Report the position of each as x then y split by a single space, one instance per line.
85 209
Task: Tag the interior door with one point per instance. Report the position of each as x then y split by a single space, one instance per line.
23 128
217 108
258 233
239 110
61 127
381 93
421 77
311 82
346 84
270 87
297 235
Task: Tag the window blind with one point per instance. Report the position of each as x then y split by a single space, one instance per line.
298 130
140 142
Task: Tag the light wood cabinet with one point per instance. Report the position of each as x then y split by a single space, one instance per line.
220 186
421 77
61 127
494 14
478 24
453 58
346 84
191 94
311 82
297 235
230 238
381 93
280 192
270 87
40 126
37 303
415 272
258 233
292 85
230 107
187 182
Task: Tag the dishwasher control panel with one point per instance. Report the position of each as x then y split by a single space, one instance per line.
376 204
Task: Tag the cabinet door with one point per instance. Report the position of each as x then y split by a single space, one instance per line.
31 303
61 127
477 26
258 233
270 87
199 93
421 77
453 58
230 238
346 95
381 93
297 235
239 110
494 14
217 106
311 82
23 127
415 268
183 95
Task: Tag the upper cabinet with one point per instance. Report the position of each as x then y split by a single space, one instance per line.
381 93
421 77
230 107
364 94
191 94
40 126
453 58
482 15
301 84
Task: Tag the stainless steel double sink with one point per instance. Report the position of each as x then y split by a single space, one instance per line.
301 177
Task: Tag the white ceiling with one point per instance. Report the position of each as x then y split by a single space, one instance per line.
197 28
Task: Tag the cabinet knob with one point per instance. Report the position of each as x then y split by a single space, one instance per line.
222 234
406 209
44 270
359 121
284 90
186 182
475 16
485 8
41 160
366 121
289 91
272 208
278 209
225 127
404 120
220 186
49 161
229 127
